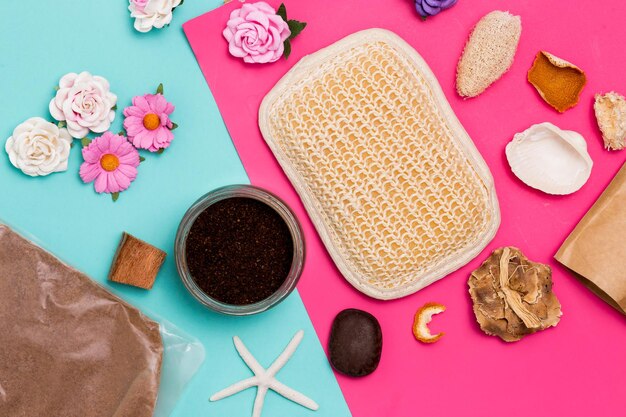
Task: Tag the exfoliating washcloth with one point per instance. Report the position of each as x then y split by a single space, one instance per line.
391 180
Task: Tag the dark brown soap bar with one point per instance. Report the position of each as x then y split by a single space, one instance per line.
356 343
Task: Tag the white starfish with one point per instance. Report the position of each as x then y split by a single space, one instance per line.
265 379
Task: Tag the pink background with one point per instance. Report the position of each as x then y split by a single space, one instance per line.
575 369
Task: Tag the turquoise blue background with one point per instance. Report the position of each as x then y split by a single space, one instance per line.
42 40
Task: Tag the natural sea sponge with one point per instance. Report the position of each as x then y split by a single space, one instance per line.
513 296
557 81
610 112
489 52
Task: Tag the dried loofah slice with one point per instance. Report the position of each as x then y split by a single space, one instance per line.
557 81
423 316
610 112
489 52
513 296
392 182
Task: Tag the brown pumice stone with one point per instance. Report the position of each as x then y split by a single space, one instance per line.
136 262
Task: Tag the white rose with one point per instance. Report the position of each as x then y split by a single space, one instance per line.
152 13
39 147
85 103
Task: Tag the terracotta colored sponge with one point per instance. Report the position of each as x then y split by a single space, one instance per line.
136 262
557 81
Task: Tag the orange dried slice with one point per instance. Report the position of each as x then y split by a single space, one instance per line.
557 81
423 316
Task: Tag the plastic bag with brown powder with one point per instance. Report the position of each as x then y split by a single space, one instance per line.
68 347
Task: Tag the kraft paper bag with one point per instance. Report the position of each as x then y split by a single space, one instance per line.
596 249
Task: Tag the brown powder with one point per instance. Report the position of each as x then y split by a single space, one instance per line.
69 348
239 251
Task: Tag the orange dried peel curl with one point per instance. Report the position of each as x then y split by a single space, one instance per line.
423 316
557 81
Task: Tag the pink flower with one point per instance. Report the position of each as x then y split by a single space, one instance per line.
256 33
110 161
139 4
85 102
147 122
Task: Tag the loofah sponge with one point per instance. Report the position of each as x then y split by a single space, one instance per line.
391 180
489 52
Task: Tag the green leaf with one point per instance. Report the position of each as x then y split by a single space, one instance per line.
61 124
114 107
174 126
57 88
180 4
282 11
423 18
85 141
115 196
121 133
160 89
141 158
295 27
287 51
72 144
160 151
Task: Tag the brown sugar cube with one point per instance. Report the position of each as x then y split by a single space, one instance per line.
136 262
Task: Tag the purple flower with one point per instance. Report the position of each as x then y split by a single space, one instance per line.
427 8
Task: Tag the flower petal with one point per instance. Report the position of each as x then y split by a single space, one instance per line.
112 184
142 103
89 172
128 171
133 111
122 180
101 183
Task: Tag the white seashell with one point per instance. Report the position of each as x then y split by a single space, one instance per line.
549 159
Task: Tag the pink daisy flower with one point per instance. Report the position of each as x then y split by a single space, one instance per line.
110 161
147 122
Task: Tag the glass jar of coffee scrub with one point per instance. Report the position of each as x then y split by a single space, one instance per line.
239 250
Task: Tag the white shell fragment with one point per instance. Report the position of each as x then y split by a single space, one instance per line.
549 159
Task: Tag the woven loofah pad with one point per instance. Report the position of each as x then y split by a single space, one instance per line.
392 182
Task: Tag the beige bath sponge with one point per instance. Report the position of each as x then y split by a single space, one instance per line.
610 111
392 182
489 52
